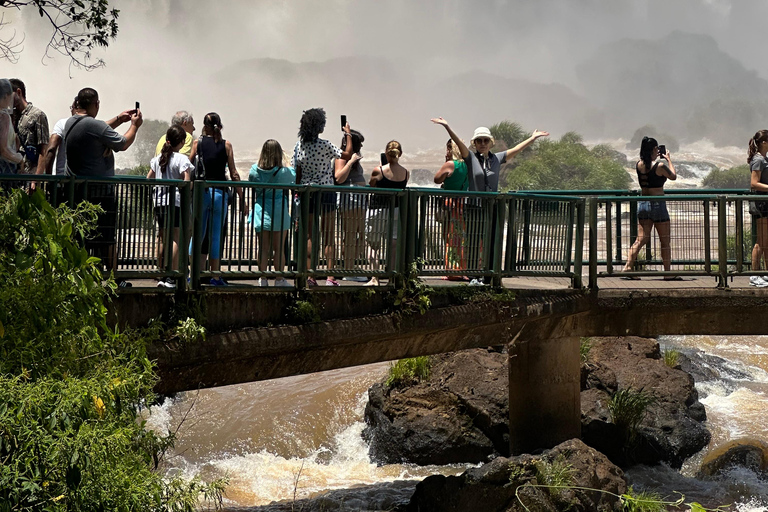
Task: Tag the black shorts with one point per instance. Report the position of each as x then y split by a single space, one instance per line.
758 209
655 211
161 212
327 202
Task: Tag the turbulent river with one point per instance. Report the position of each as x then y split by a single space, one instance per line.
299 437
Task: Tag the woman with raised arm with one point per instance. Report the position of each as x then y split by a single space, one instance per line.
453 175
352 207
217 156
653 170
390 176
758 164
313 159
484 168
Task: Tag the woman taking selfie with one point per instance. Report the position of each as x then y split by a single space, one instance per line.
653 170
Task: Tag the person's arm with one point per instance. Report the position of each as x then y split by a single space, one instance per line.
130 135
375 176
5 151
455 138
234 175
667 167
151 174
512 153
342 168
445 172
347 153
120 118
193 152
50 153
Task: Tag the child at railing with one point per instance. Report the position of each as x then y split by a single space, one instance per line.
170 165
270 216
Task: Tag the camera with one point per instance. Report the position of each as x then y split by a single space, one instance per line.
662 150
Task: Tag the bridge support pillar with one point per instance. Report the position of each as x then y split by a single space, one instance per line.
544 393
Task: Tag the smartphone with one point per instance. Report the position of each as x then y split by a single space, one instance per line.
137 105
384 160
343 122
662 150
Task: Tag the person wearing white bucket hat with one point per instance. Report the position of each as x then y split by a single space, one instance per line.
484 168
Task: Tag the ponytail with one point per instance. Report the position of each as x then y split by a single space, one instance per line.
212 126
754 144
394 151
173 137
646 151
165 156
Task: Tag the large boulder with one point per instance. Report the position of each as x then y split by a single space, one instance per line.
493 486
672 429
751 454
459 415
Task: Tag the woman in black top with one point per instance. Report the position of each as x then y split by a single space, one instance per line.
758 165
653 170
392 176
217 154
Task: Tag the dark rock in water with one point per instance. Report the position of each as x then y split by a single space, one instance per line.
460 415
492 487
671 430
706 367
693 170
751 454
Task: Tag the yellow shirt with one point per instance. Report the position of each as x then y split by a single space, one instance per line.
186 149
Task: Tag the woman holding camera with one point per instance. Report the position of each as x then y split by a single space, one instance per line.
352 206
758 165
653 170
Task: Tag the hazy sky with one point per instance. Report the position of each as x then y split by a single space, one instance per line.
167 50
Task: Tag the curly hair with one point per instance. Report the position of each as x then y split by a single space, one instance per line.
312 124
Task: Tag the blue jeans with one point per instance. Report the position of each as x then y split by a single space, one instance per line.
214 217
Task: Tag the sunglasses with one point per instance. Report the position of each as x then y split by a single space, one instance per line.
483 140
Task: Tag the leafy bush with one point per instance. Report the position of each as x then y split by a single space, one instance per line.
733 178
643 501
407 371
303 312
566 165
555 474
71 438
189 330
671 357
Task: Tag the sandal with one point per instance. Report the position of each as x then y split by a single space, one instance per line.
631 278
673 278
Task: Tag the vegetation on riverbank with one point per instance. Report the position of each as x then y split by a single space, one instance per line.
71 431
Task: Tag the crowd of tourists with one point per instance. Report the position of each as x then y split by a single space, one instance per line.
82 145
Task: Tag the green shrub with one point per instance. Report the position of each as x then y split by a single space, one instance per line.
643 501
189 331
734 178
408 371
585 345
555 474
71 438
628 408
671 357
303 312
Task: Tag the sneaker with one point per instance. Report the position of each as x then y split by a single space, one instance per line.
476 282
280 281
168 283
357 279
218 282
311 281
122 283
331 282
373 282
263 281
758 281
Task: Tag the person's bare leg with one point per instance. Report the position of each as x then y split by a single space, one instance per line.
762 240
663 232
175 249
265 249
278 239
643 237
329 232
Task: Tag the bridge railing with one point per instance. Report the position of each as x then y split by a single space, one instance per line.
308 232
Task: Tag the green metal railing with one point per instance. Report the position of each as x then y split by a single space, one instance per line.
304 233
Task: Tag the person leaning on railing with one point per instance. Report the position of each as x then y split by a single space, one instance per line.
269 216
756 158
454 176
653 170
484 168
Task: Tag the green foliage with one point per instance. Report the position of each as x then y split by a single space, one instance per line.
71 437
510 133
671 357
567 165
555 474
413 296
189 330
408 371
139 170
733 178
650 131
585 345
642 501
628 408
303 312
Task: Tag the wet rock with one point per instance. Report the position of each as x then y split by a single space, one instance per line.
751 454
492 487
672 429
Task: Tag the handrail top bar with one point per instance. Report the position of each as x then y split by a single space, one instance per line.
691 197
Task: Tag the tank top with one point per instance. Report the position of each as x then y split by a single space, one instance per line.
356 177
459 179
215 158
381 201
650 179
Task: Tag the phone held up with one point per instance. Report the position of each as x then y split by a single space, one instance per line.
662 150
384 160
343 122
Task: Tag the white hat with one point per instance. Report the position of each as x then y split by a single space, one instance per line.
483 132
